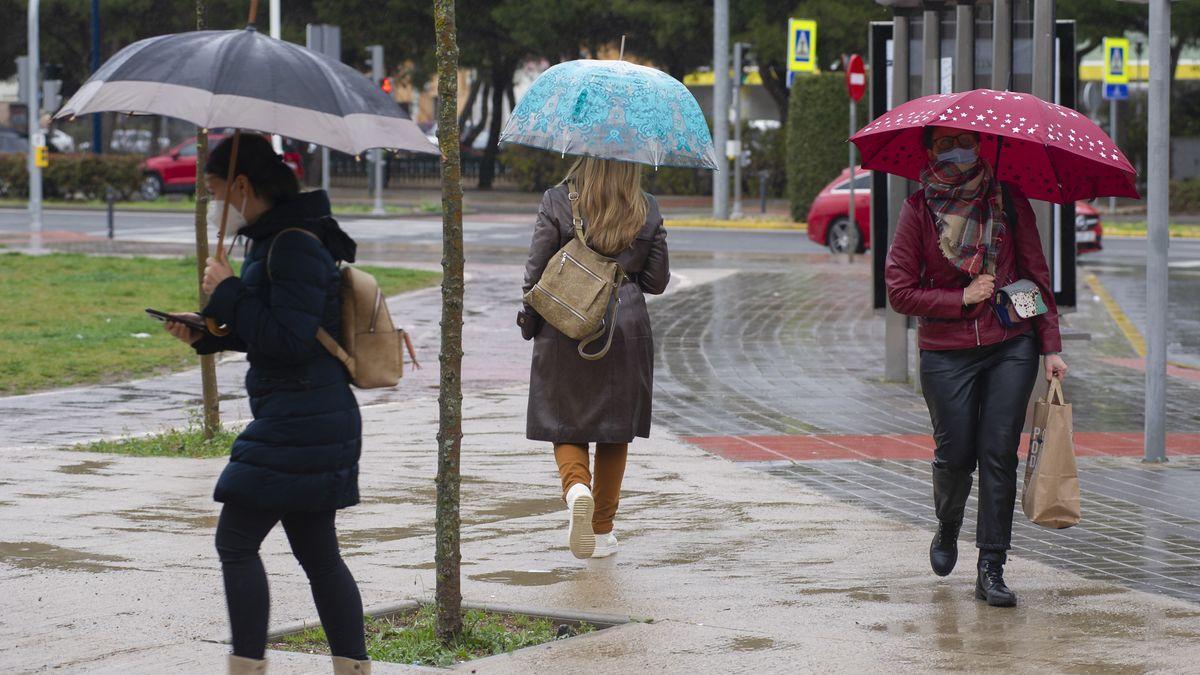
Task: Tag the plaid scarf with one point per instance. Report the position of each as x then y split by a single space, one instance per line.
966 205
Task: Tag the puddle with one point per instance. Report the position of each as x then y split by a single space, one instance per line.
751 644
520 508
527 577
188 519
870 596
36 555
355 538
88 467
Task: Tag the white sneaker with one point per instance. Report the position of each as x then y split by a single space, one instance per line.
606 545
580 506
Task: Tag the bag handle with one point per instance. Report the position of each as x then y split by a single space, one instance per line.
615 303
327 341
576 219
1055 392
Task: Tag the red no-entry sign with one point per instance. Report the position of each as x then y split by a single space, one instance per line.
856 77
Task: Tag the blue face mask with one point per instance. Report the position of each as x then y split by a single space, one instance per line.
959 156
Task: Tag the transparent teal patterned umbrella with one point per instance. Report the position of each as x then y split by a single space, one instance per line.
613 110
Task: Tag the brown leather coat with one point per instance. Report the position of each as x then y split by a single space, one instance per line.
571 399
922 283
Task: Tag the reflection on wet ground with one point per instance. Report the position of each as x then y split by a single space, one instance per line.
85 468
1140 527
38 555
528 577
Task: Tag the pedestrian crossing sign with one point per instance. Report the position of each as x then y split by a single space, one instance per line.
1116 60
802 46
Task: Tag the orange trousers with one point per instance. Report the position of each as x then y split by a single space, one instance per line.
605 482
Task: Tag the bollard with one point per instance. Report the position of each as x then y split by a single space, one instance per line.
111 197
762 189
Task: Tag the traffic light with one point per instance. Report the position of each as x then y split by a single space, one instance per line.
387 85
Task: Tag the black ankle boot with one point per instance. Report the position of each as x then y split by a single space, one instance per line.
943 552
989 585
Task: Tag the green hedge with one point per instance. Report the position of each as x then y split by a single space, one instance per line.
75 176
1185 195
818 114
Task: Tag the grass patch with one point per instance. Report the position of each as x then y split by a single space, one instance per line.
187 442
72 319
1138 229
411 637
742 224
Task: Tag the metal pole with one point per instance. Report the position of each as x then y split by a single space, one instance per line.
1044 59
1112 132
277 33
737 129
97 121
1157 215
853 220
110 198
325 169
34 116
378 209
720 117
895 323
931 52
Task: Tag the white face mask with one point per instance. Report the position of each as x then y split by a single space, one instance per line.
237 218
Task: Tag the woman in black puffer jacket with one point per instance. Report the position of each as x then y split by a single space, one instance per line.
297 462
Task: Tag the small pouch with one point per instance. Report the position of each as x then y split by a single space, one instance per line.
1019 301
530 323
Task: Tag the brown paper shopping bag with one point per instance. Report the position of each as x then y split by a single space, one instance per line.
1051 494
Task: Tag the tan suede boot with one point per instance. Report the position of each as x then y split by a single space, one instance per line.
240 665
345 666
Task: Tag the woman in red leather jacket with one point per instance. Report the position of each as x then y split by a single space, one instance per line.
955 246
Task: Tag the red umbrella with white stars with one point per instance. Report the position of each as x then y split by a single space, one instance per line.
1051 152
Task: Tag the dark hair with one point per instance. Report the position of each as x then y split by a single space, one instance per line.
257 161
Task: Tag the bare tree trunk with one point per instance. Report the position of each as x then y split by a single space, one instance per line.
477 127
448 556
208 363
502 75
472 94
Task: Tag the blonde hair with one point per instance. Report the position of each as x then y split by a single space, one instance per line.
611 202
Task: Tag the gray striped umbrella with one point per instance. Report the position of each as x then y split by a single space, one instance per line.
246 80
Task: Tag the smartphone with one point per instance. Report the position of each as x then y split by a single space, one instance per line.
179 318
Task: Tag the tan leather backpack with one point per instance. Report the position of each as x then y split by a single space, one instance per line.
371 347
577 289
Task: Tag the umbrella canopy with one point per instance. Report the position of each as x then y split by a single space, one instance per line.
1051 152
244 79
613 110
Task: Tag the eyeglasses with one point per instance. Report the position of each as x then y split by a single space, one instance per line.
965 141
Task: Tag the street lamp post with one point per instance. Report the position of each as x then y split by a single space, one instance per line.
721 107
32 91
1157 215
738 56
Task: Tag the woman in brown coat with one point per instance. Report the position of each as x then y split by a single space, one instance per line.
574 402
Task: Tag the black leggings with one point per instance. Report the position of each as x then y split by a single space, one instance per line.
977 399
313 537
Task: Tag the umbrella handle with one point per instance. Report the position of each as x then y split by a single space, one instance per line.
229 178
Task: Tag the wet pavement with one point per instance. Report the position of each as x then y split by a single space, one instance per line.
725 569
787 379
777 520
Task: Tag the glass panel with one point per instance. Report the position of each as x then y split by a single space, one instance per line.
983 46
1022 34
188 150
949 28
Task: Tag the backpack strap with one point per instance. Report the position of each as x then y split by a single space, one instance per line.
327 341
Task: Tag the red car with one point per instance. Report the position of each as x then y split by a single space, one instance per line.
175 171
829 222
